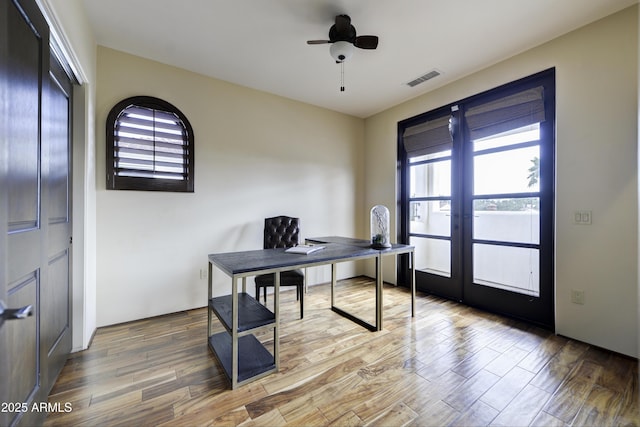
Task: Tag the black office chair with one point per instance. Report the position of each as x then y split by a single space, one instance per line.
282 232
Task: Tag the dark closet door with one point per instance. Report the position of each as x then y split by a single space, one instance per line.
34 203
56 290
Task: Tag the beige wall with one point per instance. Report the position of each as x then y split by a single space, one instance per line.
257 155
596 153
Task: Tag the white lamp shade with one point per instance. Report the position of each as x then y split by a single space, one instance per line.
341 51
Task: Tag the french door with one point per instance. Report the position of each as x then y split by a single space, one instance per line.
476 199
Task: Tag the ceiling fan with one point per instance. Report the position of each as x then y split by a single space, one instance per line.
343 37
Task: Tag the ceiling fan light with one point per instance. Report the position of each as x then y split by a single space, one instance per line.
341 51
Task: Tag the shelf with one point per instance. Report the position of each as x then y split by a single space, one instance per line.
251 314
253 358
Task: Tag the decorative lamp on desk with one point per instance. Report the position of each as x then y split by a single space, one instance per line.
380 227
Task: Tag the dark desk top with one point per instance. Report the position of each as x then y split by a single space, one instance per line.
395 247
273 259
336 248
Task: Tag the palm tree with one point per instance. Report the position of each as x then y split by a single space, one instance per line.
534 172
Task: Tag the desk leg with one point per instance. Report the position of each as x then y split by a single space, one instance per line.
304 280
234 333
209 295
379 293
276 312
412 260
334 280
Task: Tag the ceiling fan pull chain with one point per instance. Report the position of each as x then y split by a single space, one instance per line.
342 76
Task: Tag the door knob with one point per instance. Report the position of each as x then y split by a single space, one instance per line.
15 313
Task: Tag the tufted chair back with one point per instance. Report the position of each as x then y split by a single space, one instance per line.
281 232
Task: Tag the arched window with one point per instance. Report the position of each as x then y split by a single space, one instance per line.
150 146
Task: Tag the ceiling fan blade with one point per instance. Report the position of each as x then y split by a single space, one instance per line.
366 42
343 24
318 41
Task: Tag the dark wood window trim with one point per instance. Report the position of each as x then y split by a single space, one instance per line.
150 146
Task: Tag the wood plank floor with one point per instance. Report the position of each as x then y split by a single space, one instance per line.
450 365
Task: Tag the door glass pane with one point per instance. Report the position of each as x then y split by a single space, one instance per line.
512 171
432 255
432 217
508 220
505 267
431 179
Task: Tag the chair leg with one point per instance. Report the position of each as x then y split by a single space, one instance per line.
258 294
300 290
299 296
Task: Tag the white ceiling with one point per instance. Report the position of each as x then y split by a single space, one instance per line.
262 43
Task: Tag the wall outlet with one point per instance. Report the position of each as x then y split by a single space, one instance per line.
582 217
203 273
577 296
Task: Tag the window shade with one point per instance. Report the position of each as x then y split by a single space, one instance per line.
150 143
511 112
426 138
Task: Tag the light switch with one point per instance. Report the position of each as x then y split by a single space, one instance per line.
577 296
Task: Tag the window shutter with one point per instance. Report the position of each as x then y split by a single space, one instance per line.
504 114
149 143
426 138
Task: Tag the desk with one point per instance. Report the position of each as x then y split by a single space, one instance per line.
395 249
241 355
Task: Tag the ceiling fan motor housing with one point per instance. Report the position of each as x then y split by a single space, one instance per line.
343 33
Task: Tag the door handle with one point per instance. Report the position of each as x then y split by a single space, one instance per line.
15 313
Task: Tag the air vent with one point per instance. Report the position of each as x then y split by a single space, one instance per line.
431 74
